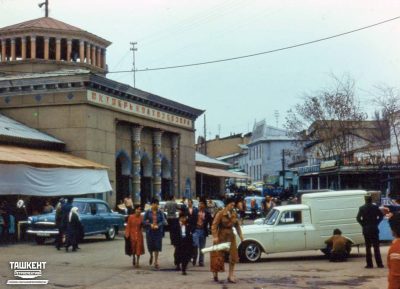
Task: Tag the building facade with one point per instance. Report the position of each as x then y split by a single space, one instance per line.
268 151
52 78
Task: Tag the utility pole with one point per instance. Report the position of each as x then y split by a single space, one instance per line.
283 169
205 135
134 49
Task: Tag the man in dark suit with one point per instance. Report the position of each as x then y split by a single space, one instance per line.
369 216
200 222
183 243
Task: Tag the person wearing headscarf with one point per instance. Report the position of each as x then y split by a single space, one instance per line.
154 221
133 231
222 231
73 229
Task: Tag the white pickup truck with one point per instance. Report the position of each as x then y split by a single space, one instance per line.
304 226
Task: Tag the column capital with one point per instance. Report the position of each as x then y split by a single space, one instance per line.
12 40
81 42
157 134
136 131
46 38
33 38
23 39
58 40
69 41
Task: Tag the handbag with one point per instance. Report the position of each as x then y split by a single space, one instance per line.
128 246
217 261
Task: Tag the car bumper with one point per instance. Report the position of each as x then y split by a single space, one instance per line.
42 233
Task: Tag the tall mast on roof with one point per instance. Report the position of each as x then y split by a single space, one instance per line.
46 3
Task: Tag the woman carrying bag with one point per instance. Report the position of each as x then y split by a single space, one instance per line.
134 236
222 231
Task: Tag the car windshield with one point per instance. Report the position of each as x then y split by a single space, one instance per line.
271 217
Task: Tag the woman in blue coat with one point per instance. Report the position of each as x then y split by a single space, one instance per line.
154 221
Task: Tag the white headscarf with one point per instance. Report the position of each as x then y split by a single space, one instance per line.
74 210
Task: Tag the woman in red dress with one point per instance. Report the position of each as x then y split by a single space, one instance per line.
133 231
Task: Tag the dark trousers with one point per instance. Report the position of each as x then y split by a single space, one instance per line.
59 238
181 257
372 240
338 256
4 237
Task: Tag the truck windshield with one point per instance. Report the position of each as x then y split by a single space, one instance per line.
271 217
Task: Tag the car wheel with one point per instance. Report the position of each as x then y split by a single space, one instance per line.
250 252
110 235
40 240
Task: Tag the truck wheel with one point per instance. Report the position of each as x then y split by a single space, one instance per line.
110 235
250 252
39 240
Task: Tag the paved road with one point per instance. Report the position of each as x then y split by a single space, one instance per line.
102 264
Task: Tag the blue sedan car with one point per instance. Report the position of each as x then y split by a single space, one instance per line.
96 217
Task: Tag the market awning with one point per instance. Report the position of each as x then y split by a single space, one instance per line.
219 173
44 158
33 172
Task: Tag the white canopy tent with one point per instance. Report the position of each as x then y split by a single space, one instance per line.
33 172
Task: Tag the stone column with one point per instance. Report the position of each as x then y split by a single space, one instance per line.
157 164
175 165
69 49
33 47
3 51
23 47
93 55
82 50
88 59
136 143
46 48
12 49
58 49
98 56
103 59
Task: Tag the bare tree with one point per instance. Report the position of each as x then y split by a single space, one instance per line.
388 100
328 117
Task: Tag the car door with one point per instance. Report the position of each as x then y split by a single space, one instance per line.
104 216
95 219
86 218
289 232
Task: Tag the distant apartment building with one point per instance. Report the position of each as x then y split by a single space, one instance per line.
266 149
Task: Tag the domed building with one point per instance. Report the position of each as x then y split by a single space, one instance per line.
52 78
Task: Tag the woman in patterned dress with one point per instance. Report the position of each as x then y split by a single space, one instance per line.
133 231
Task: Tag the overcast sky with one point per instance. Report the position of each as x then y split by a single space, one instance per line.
236 93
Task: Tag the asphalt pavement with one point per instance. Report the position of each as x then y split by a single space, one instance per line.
102 264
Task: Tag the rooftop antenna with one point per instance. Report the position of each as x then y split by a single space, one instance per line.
276 114
46 3
134 49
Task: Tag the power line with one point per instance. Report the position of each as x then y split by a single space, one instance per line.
260 53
